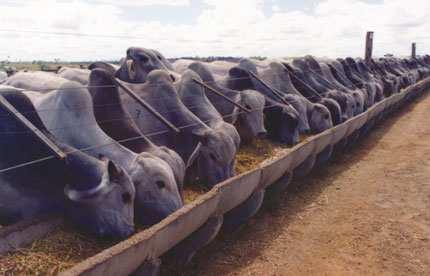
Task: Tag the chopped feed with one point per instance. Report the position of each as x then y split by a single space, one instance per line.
192 192
59 251
252 155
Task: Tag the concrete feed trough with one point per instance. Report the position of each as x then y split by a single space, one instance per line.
125 257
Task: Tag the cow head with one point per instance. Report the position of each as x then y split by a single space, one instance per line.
282 123
319 118
139 62
359 99
213 159
251 125
300 104
157 194
101 196
157 184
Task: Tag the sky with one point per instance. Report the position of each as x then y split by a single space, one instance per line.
72 30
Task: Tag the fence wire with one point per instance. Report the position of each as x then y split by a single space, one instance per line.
130 118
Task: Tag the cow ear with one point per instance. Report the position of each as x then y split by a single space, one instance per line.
100 80
115 172
201 137
100 76
103 65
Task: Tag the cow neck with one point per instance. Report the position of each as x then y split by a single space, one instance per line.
316 70
356 80
117 122
357 70
378 70
195 100
79 129
17 149
338 72
390 69
207 77
175 111
310 78
285 84
329 76
368 72
299 82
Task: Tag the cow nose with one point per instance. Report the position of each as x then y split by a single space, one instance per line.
262 134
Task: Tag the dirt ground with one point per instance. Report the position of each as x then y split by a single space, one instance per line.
367 213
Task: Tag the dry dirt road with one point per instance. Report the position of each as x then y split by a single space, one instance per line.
367 213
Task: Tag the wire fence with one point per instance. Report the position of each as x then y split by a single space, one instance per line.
122 118
146 85
198 123
85 106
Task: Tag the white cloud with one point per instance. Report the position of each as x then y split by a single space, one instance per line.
224 27
137 3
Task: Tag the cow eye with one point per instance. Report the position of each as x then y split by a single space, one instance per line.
159 57
160 184
248 106
126 198
326 117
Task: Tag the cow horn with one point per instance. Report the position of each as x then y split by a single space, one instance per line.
131 69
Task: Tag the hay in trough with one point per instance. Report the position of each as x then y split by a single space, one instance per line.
252 155
248 157
61 250
192 192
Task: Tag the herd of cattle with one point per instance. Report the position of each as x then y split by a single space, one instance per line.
135 133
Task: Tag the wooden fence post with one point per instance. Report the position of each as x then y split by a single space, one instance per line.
369 46
414 50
